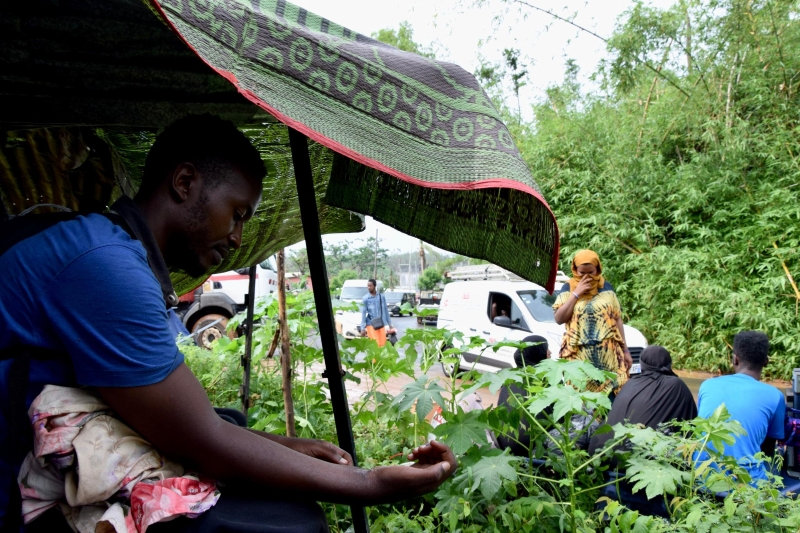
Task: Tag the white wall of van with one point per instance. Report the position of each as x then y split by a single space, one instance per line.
466 307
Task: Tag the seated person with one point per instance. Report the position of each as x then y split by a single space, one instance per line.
758 407
529 356
98 299
651 398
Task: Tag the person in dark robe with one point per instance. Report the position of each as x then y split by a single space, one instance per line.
530 356
654 397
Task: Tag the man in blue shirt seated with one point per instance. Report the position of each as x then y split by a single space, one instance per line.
758 407
86 290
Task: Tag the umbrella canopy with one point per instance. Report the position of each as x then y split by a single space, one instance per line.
419 145
411 141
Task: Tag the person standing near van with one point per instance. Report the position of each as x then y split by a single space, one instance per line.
589 308
375 318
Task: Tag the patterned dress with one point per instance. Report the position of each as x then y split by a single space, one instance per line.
592 335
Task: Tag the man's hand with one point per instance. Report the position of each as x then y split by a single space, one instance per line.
435 463
364 332
319 449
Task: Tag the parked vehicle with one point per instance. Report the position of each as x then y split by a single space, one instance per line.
348 323
522 308
428 300
396 298
205 311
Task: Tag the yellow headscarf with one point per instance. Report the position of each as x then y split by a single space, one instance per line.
581 258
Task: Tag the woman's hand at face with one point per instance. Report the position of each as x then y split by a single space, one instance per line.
584 285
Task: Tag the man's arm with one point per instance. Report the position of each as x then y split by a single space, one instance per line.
385 311
363 313
176 416
777 424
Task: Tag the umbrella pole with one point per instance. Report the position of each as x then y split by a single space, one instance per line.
322 298
248 341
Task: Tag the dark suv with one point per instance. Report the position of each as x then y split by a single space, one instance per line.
395 300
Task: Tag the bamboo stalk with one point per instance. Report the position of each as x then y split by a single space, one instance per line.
623 243
644 115
790 278
286 357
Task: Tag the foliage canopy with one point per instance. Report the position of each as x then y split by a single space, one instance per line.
682 172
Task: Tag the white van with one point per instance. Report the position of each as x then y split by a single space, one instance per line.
353 291
467 307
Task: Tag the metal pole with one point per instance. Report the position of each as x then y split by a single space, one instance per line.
248 342
322 298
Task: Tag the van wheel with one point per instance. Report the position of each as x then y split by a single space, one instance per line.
207 337
450 369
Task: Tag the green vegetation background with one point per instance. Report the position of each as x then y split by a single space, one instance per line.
679 166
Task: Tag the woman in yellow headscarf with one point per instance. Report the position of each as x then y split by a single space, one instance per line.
590 309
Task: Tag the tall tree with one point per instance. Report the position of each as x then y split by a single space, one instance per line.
298 261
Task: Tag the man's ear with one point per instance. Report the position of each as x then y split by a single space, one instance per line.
185 180
736 361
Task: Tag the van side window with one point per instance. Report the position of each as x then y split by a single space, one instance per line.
517 319
501 305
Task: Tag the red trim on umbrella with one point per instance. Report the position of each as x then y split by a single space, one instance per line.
352 154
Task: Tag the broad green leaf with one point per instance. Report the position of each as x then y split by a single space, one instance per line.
462 430
421 394
655 477
490 471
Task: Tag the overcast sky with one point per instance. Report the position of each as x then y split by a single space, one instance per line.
464 33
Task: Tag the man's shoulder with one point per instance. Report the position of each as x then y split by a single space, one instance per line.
72 238
739 383
92 240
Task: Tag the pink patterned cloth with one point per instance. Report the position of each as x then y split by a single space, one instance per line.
102 475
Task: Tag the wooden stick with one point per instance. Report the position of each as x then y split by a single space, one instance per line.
274 344
286 357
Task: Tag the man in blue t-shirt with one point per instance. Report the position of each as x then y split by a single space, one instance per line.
88 291
758 407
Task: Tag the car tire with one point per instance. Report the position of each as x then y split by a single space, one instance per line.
207 337
452 368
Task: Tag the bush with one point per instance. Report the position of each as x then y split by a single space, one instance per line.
493 491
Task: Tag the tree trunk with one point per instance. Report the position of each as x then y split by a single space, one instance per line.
286 357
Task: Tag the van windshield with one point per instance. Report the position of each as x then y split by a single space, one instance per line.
354 293
540 304
269 264
393 297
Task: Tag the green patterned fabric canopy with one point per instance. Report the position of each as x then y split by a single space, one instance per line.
85 170
418 144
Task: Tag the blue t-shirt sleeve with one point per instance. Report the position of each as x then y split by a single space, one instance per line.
109 313
778 421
